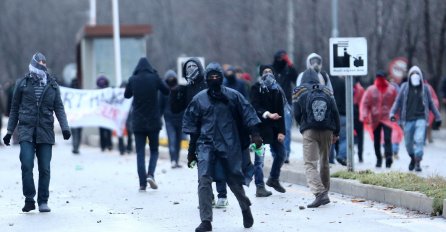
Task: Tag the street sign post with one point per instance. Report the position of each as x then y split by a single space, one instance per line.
348 57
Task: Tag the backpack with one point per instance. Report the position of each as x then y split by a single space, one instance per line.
318 107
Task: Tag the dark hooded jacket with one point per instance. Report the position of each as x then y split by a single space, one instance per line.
300 95
235 83
143 86
219 126
286 75
181 96
36 121
166 111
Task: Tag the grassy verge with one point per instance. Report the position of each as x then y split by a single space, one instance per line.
434 186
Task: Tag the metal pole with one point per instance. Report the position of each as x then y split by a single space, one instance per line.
349 121
117 42
334 18
92 12
290 26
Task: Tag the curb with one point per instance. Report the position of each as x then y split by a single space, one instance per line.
400 198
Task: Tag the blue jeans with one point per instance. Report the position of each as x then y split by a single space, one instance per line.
258 169
174 134
43 152
288 124
414 137
140 143
279 155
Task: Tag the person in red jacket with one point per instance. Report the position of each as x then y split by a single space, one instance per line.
374 113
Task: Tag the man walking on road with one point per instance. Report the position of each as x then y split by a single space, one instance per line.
143 86
413 104
36 98
216 116
317 115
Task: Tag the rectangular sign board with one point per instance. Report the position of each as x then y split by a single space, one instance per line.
348 56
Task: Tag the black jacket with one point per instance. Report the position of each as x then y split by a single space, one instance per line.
338 85
300 94
271 101
35 117
182 95
143 86
286 76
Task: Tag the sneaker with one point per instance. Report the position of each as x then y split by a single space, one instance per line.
275 184
321 199
222 203
142 188
389 162
43 208
152 182
262 192
412 162
204 226
341 161
28 207
248 220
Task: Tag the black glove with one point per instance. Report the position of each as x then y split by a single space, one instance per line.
191 157
7 139
393 119
436 125
257 140
66 134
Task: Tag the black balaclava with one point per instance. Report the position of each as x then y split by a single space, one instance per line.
214 84
279 63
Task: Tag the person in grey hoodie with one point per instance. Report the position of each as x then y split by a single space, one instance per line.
413 103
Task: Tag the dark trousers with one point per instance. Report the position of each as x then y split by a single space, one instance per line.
387 141
140 143
278 153
359 138
105 137
205 195
43 152
76 136
125 148
174 134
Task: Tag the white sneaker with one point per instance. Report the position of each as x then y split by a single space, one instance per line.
152 182
222 203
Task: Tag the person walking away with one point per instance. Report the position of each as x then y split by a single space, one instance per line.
144 86
316 113
374 113
267 100
105 134
76 132
217 115
285 75
413 104
35 100
173 121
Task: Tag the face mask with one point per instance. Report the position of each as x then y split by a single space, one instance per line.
214 83
415 79
191 70
267 80
316 64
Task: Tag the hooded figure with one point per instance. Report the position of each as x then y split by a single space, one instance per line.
317 136
218 115
285 73
374 113
233 82
181 95
173 121
413 104
143 86
314 62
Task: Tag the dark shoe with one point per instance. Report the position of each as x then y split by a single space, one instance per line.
204 226
262 192
321 199
379 162
389 162
43 208
287 161
29 206
276 185
76 152
152 182
248 220
412 162
341 161
142 188
417 165
361 160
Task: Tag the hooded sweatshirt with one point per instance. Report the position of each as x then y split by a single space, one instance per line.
403 103
143 86
322 76
285 73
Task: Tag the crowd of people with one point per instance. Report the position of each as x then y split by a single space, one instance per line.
228 116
